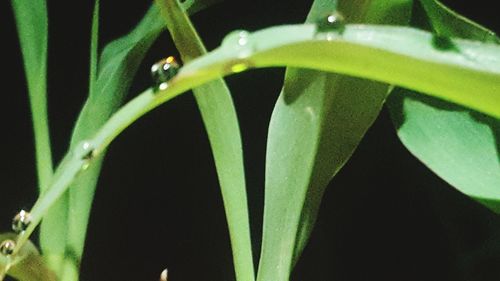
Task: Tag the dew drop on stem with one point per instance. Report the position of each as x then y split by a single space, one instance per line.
85 151
21 221
163 71
7 247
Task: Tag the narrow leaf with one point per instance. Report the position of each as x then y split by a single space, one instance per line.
32 26
110 80
94 46
219 116
460 145
316 124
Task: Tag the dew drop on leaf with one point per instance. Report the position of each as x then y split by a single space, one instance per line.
333 22
21 221
239 40
7 247
163 71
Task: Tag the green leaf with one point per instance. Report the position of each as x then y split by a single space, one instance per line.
394 55
460 145
94 46
109 82
32 26
446 22
221 122
316 125
27 265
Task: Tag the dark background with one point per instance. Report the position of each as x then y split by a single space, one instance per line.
384 217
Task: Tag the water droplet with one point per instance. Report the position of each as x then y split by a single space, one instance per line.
163 71
164 275
7 247
236 38
333 22
85 150
21 221
239 40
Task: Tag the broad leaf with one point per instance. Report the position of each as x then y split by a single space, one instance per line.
316 124
219 116
460 145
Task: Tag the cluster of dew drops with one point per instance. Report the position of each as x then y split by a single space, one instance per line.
162 72
20 223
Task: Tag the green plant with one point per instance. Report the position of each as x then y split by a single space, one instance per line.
334 70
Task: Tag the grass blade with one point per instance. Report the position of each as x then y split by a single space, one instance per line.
460 145
317 123
32 25
219 116
94 46
110 79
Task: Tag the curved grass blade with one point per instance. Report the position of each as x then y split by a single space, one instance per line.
221 122
460 145
395 55
109 82
32 25
463 72
317 123
28 265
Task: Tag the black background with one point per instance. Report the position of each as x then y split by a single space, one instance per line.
384 217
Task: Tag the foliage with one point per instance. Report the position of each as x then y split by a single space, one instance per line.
444 103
